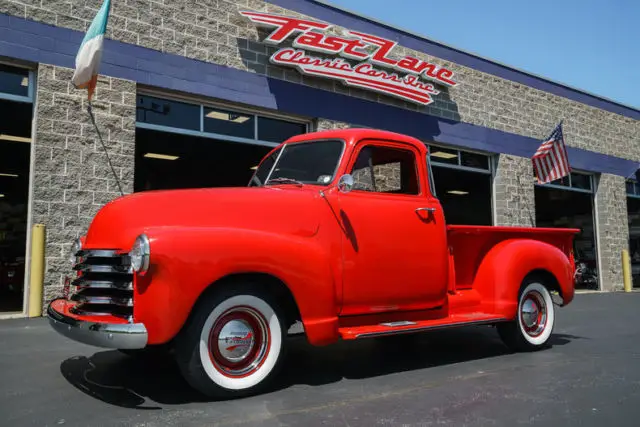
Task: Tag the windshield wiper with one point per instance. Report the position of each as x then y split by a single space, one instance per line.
283 180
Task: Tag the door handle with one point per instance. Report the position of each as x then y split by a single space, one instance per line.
431 210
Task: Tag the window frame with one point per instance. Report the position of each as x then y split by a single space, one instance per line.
432 147
360 145
635 194
30 90
202 104
570 187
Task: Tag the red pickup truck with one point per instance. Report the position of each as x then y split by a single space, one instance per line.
339 233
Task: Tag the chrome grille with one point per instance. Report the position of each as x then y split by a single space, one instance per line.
104 285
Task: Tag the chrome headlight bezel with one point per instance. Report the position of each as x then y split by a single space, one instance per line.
140 254
75 248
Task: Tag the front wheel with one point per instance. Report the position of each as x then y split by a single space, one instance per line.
233 345
534 321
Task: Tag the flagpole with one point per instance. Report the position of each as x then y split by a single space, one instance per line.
87 64
93 120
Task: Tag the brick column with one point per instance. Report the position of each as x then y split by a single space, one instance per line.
613 229
71 177
514 196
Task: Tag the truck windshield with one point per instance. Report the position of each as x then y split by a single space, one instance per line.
313 162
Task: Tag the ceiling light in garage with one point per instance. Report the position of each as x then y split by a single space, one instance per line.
457 192
161 156
444 155
11 175
25 81
1 195
236 118
14 138
253 168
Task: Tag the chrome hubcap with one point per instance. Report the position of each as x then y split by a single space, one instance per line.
533 313
235 341
529 313
239 341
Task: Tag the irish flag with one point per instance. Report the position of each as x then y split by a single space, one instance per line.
90 52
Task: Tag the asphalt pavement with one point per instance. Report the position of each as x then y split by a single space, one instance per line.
464 377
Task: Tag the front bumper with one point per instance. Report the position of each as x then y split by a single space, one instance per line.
99 334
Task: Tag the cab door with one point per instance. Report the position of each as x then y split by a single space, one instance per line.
394 245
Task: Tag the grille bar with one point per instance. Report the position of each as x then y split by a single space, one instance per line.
104 285
101 300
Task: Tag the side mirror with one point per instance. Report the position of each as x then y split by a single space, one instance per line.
345 183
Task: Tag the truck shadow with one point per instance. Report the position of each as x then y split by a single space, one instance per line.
151 384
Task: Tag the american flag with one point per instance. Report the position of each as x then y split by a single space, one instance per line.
551 162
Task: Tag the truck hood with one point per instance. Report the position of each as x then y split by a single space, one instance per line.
277 209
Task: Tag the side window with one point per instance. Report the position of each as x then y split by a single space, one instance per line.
386 170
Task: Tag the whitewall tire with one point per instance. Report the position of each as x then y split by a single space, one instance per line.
233 344
535 319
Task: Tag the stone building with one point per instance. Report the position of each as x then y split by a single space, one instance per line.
194 93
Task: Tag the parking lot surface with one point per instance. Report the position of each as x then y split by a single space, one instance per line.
464 377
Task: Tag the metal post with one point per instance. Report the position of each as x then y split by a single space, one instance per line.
36 276
626 270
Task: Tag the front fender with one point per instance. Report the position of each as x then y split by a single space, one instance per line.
505 266
186 261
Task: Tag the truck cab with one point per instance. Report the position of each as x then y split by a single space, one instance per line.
338 232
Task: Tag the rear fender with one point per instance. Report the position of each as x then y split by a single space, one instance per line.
506 265
186 262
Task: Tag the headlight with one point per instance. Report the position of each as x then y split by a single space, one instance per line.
139 254
77 245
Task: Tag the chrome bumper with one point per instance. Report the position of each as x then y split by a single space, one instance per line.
108 335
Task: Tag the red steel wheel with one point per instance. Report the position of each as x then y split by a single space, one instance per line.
239 342
533 313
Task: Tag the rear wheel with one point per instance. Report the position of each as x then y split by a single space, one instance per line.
534 321
234 343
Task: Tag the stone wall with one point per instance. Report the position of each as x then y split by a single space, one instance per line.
214 31
514 195
72 179
613 229
324 124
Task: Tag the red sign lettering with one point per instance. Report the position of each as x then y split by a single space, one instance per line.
368 49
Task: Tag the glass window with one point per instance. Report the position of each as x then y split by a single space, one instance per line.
229 123
274 130
564 181
636 184
14 81
581 181
164 112
385 170
474 160
630 187
262 172
309 162
443 155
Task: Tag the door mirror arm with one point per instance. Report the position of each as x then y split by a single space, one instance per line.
345 184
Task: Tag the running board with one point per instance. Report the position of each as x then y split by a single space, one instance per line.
413 326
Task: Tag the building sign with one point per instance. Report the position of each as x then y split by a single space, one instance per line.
402 78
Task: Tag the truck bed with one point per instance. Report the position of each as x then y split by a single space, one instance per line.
471 243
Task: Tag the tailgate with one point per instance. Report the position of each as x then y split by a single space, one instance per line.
471 243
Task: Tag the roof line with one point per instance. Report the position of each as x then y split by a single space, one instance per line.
359 15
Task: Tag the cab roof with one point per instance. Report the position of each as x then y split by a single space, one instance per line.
353 135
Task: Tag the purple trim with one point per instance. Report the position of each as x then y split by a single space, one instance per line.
351 21
174 72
